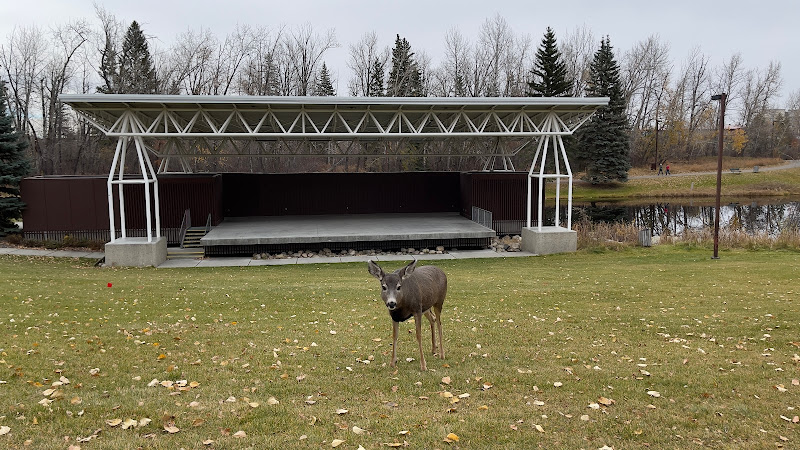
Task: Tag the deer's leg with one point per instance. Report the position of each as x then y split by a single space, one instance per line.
395 327
418 325
438 314
432 319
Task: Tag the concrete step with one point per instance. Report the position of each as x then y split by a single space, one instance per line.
177 252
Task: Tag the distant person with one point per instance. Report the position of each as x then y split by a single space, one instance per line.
667 169
660 169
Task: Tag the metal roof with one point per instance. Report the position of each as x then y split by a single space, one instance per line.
267 118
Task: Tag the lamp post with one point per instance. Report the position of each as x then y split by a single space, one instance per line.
721 97
656 160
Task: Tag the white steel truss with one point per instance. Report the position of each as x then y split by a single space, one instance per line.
247 122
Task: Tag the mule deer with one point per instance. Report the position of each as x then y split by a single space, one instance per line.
423 291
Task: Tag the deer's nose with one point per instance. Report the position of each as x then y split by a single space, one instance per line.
391 304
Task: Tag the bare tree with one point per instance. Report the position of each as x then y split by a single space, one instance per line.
304 51
451 76
577 48
495 41
260 71
361 62
646 69
759 90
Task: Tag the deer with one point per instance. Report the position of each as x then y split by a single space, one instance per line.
413 292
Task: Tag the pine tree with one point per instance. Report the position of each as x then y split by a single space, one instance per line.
604 146
14 165
136 72
375 88
405 79
323 86
549 73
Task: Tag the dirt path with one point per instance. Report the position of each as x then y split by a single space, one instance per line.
787 165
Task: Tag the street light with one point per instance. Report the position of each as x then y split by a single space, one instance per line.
721 97
656 159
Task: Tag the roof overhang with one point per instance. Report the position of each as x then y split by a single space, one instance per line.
335 118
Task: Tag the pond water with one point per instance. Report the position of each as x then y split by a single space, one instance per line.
753 216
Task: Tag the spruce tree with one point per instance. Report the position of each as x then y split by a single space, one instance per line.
375 88
136 72
405 80
14 165
604 146
323 86
549 73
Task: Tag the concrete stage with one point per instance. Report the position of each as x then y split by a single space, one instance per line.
243 235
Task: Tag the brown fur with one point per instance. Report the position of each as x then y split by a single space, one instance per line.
417 292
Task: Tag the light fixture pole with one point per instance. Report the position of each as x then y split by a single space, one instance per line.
721 97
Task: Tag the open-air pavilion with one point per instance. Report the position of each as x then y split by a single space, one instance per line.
166 132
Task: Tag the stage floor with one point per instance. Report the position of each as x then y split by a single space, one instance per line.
276 230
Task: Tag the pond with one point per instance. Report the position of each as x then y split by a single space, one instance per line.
753 216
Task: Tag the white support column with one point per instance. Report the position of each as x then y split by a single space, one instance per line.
552 131
110 186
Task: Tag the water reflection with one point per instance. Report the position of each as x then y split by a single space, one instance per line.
673 218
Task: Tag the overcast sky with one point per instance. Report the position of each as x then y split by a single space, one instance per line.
760 30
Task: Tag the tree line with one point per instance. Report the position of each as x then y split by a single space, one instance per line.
655 93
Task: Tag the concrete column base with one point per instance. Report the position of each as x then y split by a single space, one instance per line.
549 240
136 252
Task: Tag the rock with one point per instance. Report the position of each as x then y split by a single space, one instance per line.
439 249
351 252
256 256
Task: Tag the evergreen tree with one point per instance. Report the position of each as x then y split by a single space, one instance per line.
375 88
323 86
136 72
549 73
604 146
405 79
14 165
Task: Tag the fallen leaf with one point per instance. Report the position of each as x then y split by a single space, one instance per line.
558 384
403 432
73 447
171 428
272 401
129 423
446 380
240 434
208 442
464 395
654 394
795 382
144 421
585 417
253 404
358 430
336 442
780 388
341 411
451 437
197 422
538 403
4 430
113 422
538 428
605 401
483 407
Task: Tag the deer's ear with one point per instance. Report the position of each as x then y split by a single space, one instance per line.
375 270
409 269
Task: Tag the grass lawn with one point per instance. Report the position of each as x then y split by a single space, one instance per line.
744 185
642 348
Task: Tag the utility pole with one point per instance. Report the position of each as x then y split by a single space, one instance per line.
722 98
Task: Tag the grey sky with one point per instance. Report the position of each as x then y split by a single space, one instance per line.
760 31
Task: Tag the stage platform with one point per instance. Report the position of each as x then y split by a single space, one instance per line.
248 235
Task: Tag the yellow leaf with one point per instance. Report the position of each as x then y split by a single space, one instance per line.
113 422
4 430
341 411
76 401
446 394
129 423
464 395
144 421
240 434
404 432
539 428
171 428
453 437
272 401
605 401
253 404
208 442
446 380
336 442
162 356
358 430
483 407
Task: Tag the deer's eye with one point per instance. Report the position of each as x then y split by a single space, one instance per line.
384 287
398 287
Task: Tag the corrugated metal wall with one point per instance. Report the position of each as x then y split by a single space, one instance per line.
79 205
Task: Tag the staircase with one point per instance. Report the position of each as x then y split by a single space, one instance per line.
190 248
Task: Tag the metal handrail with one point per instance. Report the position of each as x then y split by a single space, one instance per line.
186 223
208 223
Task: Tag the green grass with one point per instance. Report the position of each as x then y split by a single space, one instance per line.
716 338
747 184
